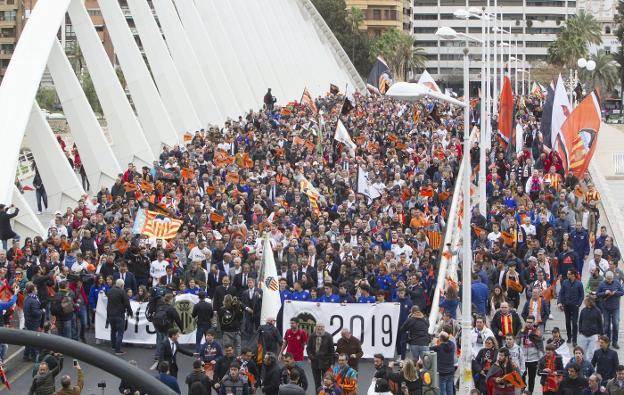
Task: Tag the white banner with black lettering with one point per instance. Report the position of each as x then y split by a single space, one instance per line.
376 325
138 329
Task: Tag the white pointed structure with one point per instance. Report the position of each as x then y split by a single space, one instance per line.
208 60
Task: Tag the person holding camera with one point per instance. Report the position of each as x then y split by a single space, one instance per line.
66 387
6 232
230 319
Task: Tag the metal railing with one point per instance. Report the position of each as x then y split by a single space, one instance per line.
25 165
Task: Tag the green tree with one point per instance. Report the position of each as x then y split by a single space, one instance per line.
606 74
355 19
89 90
355 42
399 52
619 59
46 98
574 39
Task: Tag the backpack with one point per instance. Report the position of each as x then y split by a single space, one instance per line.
64 304
160 319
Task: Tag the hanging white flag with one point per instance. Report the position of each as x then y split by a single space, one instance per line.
519 138
427 80
561 110
343 137
365 186
269 284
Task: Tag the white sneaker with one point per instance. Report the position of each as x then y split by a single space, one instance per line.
550 317
38 212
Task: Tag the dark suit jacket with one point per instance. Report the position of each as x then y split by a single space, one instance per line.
238 280
291 278
254 303
220 293
167 355
335 270
129 282
324 358
175 282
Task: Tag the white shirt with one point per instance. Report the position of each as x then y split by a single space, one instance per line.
79 266
397 250
196 253
157 270
603 264
478 344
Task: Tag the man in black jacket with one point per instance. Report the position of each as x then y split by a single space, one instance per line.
169 351
416 330
590 326
172 317
269 336
271 377
118 304
605 360
139 265
223 364
6 232
63 309
251 300
203 313
291 367
321 352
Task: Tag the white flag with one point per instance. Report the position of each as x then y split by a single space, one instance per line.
365 186
519 138
427 80
561 110
343 137
269 284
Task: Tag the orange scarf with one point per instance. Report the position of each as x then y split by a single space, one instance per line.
537 313
506 324
551 380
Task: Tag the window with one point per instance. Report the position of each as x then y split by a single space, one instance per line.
607 50
425 17
376 14
425 29
607 29
95 12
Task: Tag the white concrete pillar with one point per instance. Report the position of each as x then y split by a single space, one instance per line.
219 75
20 84
96 154
207 107
26 223
172 90
129 142
150 109
59 179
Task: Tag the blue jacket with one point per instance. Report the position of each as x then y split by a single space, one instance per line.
450 305
170 382
610 302
480 293
571 293
580 242
406 307
32 312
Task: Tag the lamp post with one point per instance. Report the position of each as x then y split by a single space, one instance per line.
465 377
582 63
485 115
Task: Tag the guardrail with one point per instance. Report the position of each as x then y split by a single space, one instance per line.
449 260
25 165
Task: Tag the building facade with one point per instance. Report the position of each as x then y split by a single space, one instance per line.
604 11
380 15
534 24
11 25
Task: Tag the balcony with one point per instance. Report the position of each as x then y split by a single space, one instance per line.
8 39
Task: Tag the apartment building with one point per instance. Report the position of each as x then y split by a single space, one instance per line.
604 11
534 24
380 15
11 25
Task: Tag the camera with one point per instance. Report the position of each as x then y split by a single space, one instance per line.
101 384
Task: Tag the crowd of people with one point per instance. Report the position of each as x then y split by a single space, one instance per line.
232 184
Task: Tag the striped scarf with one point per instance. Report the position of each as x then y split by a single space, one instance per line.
506 324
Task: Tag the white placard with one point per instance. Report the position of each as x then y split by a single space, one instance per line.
138 329
375 325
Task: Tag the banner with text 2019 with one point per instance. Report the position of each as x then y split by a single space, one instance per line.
375 325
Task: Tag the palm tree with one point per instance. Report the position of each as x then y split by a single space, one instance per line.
574 39
399 51
355 19
606 74
619 59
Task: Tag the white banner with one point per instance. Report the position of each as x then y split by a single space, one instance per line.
375 325
138 329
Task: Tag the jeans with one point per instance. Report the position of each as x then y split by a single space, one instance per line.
234 339
117 329
199 335
589 344
64 328
160 337
446 384
611 324
74 328
5 243
82 319
571 313
41 195
531 371
417 351
29 351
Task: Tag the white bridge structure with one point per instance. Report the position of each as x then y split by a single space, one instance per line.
205 61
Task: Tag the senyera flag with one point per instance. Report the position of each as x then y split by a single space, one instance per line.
160 226
307 99
580 131
505 112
